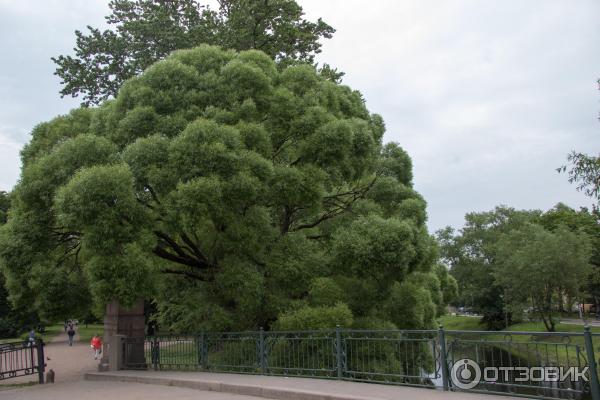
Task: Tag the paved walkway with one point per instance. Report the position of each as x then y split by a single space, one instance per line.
84 390
69 363
281 388
575 321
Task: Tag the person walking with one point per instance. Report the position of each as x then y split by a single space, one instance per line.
31 339
71 334
96 344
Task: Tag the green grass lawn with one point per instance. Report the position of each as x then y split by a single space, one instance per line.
460 323
558 350
563 351
539 327
463 323
86 334
51 332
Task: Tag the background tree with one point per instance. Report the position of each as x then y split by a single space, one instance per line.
506 261
448 287
146 31
471 255
584 171
579 221
233 192
12 321
4 206
538 267
9 326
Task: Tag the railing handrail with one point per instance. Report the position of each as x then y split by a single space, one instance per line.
352 330
400 356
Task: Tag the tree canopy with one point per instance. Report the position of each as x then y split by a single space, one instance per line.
471 255
235 194
145 31
507 260
584 172
4 206
541 257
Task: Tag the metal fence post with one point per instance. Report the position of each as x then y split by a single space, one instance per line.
40 360
30 347
262 362
199 348
338 351
155 351
589 347
203 351
443 357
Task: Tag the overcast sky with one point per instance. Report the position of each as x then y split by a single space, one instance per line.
487 97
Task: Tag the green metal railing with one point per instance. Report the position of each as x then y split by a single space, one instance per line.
527 350
401 357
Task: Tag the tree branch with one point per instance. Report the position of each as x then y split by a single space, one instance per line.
184 260
168 249
184 273
193 247
341 205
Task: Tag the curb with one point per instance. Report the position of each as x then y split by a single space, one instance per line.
267 392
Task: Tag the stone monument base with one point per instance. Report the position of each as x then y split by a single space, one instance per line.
122 322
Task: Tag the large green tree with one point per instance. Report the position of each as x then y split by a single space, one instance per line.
145 31
232 192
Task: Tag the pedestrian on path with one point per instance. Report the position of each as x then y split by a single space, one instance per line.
31 338
71 334
96 344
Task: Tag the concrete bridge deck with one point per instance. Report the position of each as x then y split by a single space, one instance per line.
282 388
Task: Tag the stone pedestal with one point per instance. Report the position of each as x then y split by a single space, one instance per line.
124 322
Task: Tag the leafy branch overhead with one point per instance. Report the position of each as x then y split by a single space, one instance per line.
145 31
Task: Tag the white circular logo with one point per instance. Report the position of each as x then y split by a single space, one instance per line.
465 374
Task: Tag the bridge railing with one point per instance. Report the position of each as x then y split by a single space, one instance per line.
21 359
430 358
524 363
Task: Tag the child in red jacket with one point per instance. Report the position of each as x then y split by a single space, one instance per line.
96 344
